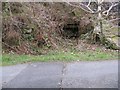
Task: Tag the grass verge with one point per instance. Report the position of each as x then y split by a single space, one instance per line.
11 59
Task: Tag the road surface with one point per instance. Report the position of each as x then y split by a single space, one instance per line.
96 74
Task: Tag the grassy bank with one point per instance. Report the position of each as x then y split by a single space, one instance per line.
11 59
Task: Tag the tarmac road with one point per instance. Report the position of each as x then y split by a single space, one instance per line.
95 74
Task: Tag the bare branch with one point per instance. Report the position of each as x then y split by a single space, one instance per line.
87 7
114 20
89 3
106 13
100 2
82 6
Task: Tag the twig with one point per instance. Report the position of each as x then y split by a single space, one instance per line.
53 42
82 6
106 13
114 19
9 46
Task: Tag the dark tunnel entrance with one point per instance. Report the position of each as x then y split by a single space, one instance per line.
71 30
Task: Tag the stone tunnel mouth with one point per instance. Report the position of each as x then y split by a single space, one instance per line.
71 30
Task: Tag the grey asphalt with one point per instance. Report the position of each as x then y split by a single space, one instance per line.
96 74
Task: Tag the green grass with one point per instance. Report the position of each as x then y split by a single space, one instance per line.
11 59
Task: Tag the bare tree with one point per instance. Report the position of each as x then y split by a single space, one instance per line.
98 10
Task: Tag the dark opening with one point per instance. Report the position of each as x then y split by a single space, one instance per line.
97 38
71 30
118 23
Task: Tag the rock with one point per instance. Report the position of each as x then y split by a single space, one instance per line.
113 43
111 36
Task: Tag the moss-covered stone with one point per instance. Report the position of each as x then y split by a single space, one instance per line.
111 36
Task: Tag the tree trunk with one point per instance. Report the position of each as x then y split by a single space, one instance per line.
99 27
100 18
